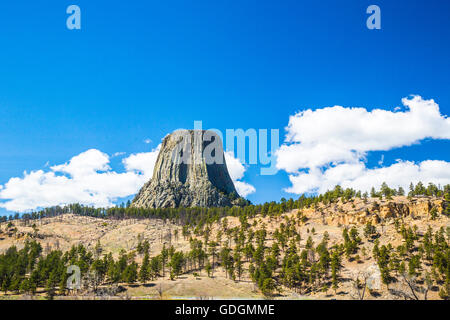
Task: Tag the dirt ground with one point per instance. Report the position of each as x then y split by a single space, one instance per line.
66 230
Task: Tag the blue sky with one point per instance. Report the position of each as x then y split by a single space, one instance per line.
139 71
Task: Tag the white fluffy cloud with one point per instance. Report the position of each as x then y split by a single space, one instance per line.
236 170
359 177
88 179
327 146
142 163
244 188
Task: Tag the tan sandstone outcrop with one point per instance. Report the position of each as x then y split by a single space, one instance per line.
373 212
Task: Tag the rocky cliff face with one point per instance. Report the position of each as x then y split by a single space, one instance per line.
374 211
190 172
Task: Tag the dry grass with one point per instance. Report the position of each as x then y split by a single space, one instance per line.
67 230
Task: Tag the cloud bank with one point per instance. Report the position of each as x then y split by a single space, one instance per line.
88 179
328 146
236 170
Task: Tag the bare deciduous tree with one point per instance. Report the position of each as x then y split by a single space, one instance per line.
359 285
409 289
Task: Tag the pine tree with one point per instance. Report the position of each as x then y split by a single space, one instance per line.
208 268
335 267
433 213
238 263
98 249
24 286
51 284
130 273
373 193
411 190
144 271
447 203
155 266
268 286
383 264
176 263
164 257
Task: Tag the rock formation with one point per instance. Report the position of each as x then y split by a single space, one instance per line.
374 212
190 172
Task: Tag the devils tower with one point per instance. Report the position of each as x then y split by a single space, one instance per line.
190 171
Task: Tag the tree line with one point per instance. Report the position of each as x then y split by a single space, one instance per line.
200 216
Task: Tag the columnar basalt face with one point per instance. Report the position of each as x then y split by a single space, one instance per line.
190 172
